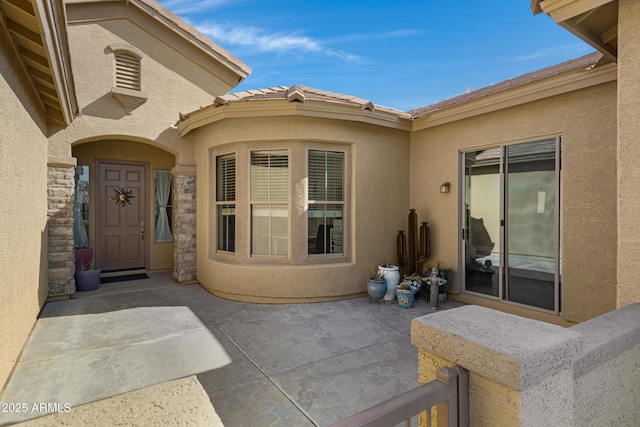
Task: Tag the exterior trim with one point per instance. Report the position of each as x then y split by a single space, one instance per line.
521 95
283 107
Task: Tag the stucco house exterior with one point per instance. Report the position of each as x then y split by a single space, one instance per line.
291 193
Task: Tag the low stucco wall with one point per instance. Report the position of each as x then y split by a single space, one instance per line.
377 207
607 374
23 228
174 403
528 373
586 120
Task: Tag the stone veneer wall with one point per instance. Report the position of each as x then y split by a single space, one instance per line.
184 223
60 187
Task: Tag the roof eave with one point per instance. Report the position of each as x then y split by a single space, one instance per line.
282 107
37 32
522 94
54 30
569 14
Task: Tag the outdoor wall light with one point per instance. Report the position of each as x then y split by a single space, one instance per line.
445 187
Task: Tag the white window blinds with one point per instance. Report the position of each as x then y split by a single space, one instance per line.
226 178
269 176
326 176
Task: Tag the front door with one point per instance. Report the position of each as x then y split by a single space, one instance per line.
120 233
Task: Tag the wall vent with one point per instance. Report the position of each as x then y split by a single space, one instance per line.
127 71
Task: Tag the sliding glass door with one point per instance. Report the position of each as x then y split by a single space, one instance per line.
511 223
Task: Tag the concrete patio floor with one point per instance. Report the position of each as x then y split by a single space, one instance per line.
267 365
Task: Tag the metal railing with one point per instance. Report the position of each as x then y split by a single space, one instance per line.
449 393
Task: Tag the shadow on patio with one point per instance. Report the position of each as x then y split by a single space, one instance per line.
293 365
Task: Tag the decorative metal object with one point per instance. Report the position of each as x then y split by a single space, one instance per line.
417 251
122 197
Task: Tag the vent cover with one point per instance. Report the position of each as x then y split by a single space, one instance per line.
127 71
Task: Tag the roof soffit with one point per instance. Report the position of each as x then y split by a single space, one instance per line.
593 21
37 30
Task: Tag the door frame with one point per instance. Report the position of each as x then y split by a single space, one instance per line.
146 211
503 229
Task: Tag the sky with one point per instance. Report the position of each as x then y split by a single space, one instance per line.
398 54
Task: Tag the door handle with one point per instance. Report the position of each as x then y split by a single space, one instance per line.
142 230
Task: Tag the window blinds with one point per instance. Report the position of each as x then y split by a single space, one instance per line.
326 176
269 175
226 178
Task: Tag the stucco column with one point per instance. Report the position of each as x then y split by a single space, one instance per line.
520 370
60 186
628 152
184 223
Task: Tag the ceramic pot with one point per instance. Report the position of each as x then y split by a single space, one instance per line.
405 297
87 280
392 278
376 288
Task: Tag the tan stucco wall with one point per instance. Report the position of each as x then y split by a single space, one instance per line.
378 208
23 212
170 78
628 152
160 254
502 410
586 120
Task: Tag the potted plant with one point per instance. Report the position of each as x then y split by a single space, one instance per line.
376 285
87 277
83 254
406 294
392 278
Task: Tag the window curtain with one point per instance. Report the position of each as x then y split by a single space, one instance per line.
163 189
80 238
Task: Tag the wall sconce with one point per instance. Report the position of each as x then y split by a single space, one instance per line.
445 187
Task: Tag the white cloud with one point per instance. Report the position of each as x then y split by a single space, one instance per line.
181 7
575 48
260 41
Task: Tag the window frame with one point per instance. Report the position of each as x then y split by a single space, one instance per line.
254 201
326 202
220 202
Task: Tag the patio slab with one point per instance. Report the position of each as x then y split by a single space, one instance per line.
294 365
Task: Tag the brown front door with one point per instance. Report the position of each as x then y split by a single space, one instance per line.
121 231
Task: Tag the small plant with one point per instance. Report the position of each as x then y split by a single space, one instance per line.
85 267
376 275
442 270
405 286
414 280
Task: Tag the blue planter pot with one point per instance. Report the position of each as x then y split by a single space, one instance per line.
87 280
376 288
406 297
